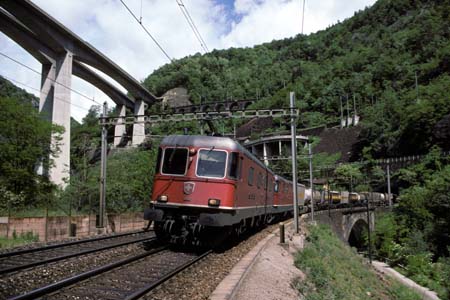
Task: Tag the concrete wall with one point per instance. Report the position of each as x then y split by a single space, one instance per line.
58 227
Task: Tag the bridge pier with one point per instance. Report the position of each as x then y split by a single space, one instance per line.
138 128
266 147
265 155
54 103
119 129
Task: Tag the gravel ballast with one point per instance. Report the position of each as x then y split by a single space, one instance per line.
200 280
20 282
196 282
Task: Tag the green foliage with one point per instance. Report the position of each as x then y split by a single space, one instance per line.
334 271
424 206
320 160
348 174
416 235
17 240
9 90
24 142
128 183
385 234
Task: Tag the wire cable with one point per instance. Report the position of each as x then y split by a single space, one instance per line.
145 29
191 23
38 90
39 73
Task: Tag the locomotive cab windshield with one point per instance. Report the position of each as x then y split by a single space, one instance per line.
211 163
175 161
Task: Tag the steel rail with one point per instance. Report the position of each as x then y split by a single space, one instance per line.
80 277
60 245
62 257
149 287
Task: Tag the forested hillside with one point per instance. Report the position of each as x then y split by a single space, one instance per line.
374 56
9 90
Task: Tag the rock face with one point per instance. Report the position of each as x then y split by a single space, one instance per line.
175 98
334 140
442 132
257 125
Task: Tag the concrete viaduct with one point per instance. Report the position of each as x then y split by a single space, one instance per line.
62 53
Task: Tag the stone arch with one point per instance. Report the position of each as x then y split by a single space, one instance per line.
356 236
193 109
205 108
220 107
234 106
247 104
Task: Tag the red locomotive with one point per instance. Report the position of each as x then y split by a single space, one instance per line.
208 188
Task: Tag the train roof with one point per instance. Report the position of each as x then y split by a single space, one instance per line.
208 142
201 141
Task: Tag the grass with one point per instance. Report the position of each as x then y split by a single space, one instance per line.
17 240
33 212
334 271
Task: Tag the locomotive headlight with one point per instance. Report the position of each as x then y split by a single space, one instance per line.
214 202
162 198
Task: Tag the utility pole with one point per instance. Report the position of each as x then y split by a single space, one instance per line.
294 158
348 112
303 15
417 86
351 183
368 228
327 194
311 181
102 204
389 183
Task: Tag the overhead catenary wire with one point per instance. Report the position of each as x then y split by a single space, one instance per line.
38 90
146 30
191 23
55 81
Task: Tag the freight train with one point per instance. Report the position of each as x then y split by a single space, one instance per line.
207 189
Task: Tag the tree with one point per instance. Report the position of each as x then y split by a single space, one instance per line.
24 142
349 174
129 177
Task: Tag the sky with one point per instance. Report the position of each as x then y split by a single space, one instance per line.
109 27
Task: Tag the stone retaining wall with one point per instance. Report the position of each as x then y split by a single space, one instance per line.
56 228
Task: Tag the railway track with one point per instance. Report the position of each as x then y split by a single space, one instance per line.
128 278
28 258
